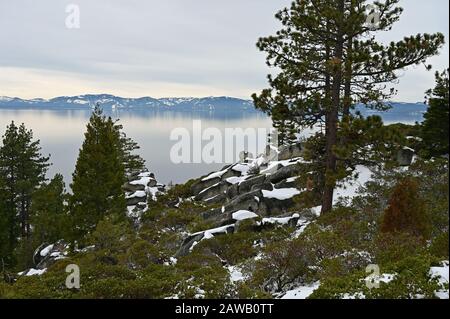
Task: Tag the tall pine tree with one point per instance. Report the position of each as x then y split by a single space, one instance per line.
5 222
23 169
99 175
49 212
132 161
435 128
328 61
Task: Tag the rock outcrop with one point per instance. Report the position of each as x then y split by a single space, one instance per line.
140 187
244 185
405 156
45 256
237 218
263 187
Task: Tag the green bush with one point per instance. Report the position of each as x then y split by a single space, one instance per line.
203 277
232 248
394 247
142 254
411 280
439 246
282 263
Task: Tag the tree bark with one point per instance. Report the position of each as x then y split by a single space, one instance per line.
332 122
348 81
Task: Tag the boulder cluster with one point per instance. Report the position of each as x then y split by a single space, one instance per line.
140 187
259 188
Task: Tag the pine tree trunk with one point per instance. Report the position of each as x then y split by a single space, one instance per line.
27 219
348 79
332 122
23 217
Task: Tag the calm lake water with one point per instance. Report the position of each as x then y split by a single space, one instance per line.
61 133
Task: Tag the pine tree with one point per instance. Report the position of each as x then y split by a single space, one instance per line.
99 175
132 162
286 128
5 222
49 212
23 169
406 212
328 61
435 128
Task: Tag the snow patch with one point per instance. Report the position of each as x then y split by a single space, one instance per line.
281 194
243 215
236 180
279 220
442 275
215 175
139 194
44 252
302 292
142 181
35 272
349 189
236 274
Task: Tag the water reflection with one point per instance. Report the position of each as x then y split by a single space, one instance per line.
62 131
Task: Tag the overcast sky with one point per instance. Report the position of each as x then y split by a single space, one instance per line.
164 48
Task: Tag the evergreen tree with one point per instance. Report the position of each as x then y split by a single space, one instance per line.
435 128
22 169
406 212
286 128
328 61
49 206
99 175
5 248
131 161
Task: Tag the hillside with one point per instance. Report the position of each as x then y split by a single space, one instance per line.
252 230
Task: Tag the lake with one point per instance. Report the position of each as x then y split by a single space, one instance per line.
61 133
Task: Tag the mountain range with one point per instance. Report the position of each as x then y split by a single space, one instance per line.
399 110
115 102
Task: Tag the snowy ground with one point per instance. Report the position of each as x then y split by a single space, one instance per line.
302 292
350 188
442 274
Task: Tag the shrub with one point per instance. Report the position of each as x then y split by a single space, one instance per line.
393 247
411 280
232 248
282 263
439 246
203 277
406 211
353 226
142 254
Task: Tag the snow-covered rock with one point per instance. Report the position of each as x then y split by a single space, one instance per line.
140 187
281 194
45 256
243 215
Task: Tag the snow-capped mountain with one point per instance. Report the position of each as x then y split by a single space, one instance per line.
116 102
400 111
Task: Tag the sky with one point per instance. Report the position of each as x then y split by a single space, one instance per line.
169 48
